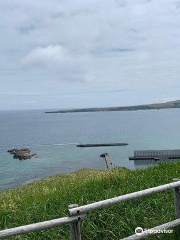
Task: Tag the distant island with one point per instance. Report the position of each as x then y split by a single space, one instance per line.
167 105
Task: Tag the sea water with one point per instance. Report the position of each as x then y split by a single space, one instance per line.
53 137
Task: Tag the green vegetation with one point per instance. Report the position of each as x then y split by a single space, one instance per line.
171 104
48 199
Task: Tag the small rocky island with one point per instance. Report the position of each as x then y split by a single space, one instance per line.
22 154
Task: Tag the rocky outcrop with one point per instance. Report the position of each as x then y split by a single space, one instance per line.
22 154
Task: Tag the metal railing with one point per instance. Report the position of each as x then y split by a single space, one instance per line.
77 214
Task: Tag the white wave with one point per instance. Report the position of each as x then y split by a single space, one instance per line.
56 144
62 144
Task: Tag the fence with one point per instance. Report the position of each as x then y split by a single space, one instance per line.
77 214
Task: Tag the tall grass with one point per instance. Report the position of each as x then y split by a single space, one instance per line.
48 199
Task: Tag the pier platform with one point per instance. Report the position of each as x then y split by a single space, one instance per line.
158 155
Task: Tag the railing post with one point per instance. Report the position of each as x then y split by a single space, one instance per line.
177 203
75 227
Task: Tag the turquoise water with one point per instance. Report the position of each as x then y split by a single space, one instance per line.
54 137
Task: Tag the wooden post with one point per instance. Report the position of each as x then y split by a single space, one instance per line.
108 161
177 203
75 227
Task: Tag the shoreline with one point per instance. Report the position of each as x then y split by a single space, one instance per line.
154 106
59 175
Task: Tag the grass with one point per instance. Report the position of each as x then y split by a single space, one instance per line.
49 198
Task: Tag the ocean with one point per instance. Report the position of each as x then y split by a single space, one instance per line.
53 137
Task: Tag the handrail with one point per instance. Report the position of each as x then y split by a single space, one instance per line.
152 231
123 198
76 214
40 226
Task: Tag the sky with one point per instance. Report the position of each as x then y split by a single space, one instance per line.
57 54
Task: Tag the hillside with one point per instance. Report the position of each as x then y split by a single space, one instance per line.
48 199
172 104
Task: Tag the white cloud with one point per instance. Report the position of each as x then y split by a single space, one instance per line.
59 46
45 57
57 62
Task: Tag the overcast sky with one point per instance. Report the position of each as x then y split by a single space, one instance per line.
88 53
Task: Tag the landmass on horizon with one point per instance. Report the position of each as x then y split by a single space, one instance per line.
167 105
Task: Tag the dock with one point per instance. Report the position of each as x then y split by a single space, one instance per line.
157 155
102 145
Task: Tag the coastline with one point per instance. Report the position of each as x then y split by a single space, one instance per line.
154 106
47 135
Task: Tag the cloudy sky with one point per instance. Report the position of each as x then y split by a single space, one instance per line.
88 53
